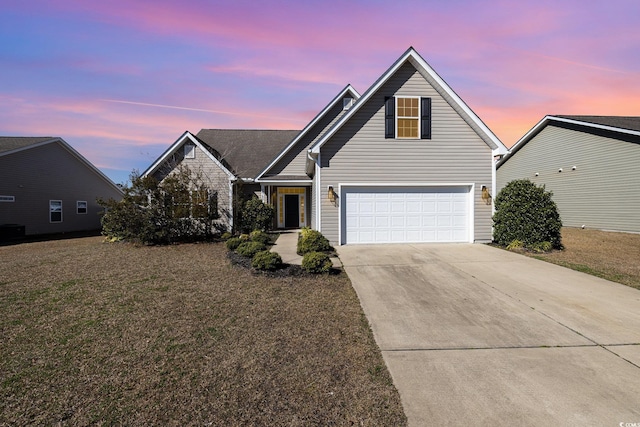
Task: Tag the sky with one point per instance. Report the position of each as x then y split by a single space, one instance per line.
121 80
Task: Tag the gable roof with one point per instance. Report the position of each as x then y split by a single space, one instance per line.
15 144
439 85
348 90
247 151
626 128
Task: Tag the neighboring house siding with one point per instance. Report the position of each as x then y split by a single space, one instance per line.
211 175
49 172
601 193
359 153
294 162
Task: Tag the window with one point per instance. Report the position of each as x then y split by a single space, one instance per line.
55 210
81 207
407 117
189 151
196 204
7 198
347 102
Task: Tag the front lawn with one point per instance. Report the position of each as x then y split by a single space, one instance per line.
114 334
612 256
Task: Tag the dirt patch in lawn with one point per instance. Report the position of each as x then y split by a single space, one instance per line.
97 333
612 256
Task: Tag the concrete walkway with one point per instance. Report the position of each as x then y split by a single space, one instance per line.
287 245
474 335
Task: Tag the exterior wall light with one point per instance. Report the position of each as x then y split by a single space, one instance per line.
486 196
331 194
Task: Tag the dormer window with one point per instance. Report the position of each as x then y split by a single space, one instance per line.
347 102
189 151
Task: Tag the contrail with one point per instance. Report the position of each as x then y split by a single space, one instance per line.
174 107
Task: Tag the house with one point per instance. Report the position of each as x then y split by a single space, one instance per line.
225 161
407 161
48 187
590 163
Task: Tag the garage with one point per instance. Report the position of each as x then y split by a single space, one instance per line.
380 214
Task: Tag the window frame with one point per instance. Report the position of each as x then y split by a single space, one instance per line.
398 117
52 211
78 207
189 151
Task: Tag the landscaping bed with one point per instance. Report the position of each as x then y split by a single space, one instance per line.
117 334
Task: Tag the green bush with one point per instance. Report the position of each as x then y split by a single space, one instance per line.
516 244
233 243
541 247
256 215
245 237
249 249
260 236
265 260
226 235
312 241
316 262
527 213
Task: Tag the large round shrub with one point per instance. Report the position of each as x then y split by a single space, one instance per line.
249 249
312 241
260 236
266 260
527 213
316 262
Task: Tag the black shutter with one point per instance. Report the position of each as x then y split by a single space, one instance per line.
389 117
425 118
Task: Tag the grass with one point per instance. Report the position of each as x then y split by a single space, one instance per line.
114 334
612 256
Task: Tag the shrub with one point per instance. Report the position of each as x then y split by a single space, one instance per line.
260 236
233 243
249 249
516 244
527 213
316 262
312 241
226 235
265 260
541 247
245 237
256 215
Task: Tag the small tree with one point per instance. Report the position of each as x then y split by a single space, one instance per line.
527 213
256 215
177 209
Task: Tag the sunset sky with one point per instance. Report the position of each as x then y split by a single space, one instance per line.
122 80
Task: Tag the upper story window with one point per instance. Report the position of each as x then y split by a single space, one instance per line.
189 151
407 117
347 102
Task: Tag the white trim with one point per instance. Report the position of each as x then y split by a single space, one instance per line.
468 185
312 123
187 136
318 194
283 182
422 65
4 199
231 211
397 116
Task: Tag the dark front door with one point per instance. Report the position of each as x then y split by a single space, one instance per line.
291 211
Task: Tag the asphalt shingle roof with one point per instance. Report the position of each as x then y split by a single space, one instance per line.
622 122
247 152
9 143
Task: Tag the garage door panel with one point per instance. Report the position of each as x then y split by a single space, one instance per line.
406 214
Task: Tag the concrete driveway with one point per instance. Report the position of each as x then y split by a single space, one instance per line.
475 335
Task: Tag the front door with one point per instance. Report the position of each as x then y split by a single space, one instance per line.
291 211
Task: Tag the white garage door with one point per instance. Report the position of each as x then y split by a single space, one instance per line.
405 214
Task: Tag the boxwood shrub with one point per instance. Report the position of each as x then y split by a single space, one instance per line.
260 236
312 241
233 243
249 249
527 213
316 262
265 260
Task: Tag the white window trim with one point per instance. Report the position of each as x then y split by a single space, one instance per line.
397 116
86 207
50 212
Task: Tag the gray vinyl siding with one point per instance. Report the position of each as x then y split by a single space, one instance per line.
50 172
601 193
359 153
294 161
209 173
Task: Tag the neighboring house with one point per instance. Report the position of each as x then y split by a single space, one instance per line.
224 161
408 161
48 187
590 163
